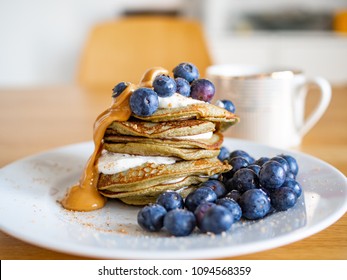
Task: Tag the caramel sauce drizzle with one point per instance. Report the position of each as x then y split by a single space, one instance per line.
85 195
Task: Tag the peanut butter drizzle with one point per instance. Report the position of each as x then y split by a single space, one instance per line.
148 77
85 196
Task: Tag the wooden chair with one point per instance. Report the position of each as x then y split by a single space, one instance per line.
123 49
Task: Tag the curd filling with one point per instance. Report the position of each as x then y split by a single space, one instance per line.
173 181
176 101
112 163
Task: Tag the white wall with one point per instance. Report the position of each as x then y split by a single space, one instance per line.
41 40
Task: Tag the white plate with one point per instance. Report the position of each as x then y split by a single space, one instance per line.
31 187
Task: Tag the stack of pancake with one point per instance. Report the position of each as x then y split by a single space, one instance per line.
188 138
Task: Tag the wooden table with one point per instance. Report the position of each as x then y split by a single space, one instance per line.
38 119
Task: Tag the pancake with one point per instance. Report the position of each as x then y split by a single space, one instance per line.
160 150
150 174
157 189
213 143
144 199
140 185
199 111
160 129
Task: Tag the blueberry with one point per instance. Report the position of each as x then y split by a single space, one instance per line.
144 102
200 211
216 177
229 184
236 163
272 175
187 71
179 222
293 164
255 204
183 87
266 191
151 217
118 89
200 195
232 206
223 154
202 89
294 185
217 186
290 175
244 180
241 153
283 198
164 85
217 219
227 105
170 200
255 168
233 194
283 162
261 161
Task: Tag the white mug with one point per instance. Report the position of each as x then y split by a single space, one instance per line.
269 102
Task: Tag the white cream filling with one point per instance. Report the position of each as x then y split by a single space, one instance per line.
112 163
174 180
182 189
177 100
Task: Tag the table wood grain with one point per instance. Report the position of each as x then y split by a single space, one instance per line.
38 119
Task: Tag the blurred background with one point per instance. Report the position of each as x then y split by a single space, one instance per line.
42 41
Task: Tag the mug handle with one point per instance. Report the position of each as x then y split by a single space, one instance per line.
325 97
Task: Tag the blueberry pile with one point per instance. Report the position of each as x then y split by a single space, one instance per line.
145 101
251 190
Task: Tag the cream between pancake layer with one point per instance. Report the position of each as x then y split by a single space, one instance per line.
177 100
112 163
